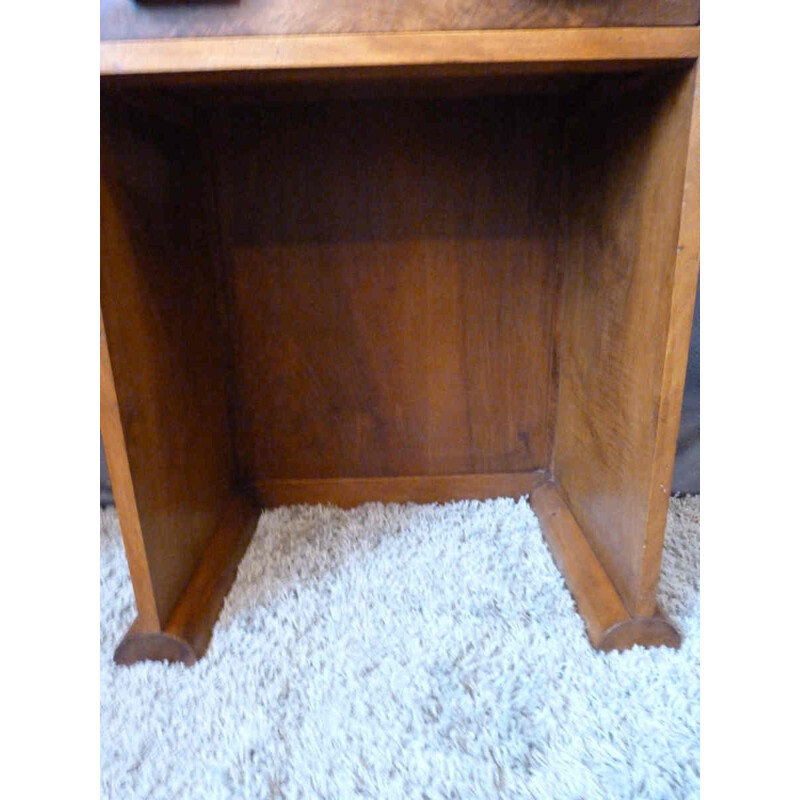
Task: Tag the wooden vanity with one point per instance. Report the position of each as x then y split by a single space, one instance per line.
423 252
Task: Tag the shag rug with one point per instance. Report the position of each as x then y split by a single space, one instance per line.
404 651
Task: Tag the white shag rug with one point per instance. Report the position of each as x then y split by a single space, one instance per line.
404 651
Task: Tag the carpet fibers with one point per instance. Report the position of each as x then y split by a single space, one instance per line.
404 651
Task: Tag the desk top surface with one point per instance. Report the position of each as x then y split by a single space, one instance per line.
158 19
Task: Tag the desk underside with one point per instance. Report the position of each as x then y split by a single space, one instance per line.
354 297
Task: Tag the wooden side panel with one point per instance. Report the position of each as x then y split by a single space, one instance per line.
160 307
123 19
624 300
684 288
124 495
392 283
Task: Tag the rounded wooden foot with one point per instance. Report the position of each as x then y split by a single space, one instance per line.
186 634
646 631
153 647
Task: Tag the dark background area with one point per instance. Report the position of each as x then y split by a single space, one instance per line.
686 477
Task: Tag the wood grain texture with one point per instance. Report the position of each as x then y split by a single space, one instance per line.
609 626
351 492
598 602
159 303
458 52
653 631
201 603
125 19
140 644
392 291
365 295
626 180
124 495
679 331
186 635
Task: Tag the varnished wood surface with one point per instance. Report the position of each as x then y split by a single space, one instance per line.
598 602
684 288
124 495
160 308
140 644
409 299
126 19
609 626
473 51
351 492
392 291
653 631
197 610
188 632
625 186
